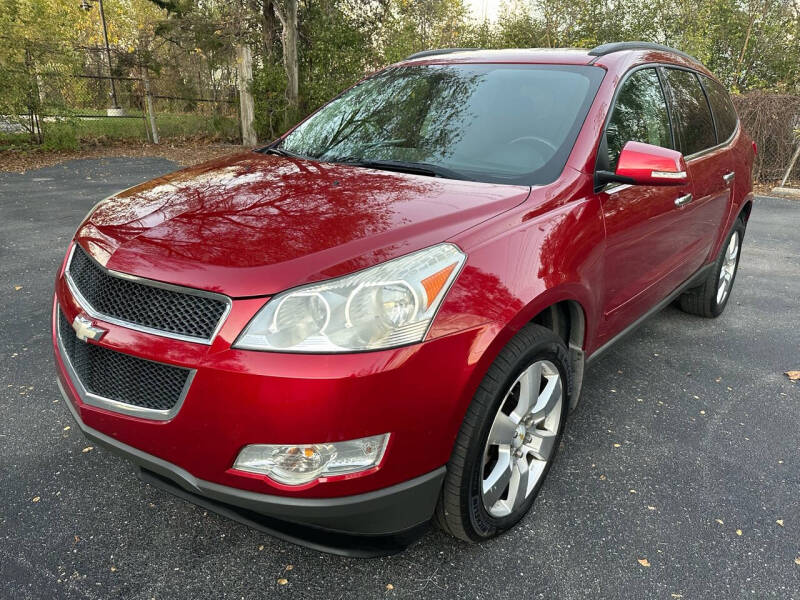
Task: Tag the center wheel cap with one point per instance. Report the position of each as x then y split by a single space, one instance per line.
519 436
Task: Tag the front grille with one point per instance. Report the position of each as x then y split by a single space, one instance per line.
158 308
116 376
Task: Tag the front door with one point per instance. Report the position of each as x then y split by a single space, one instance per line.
646 249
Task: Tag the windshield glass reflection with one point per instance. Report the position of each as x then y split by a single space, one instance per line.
495 123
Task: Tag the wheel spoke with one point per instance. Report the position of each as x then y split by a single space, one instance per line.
503 429
497 481
528 391
733 247
518 491
541 444
547 400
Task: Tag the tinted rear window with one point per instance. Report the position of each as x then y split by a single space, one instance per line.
501 123
722 107
695 125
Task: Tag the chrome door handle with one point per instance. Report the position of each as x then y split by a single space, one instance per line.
728 177
683 200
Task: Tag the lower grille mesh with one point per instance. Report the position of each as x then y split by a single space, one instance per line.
121 377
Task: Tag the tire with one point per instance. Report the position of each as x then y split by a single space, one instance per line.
709 299
476 461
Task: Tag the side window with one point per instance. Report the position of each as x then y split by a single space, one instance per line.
722 107
640 115
695 126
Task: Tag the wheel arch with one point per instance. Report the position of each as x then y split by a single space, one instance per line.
567 319
745 210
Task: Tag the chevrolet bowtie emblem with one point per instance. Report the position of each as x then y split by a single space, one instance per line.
85 329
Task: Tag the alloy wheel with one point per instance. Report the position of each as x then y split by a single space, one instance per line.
728 268
522 438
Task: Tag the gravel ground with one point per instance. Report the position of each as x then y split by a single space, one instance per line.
683 456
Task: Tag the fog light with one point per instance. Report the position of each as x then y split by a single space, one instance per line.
303 463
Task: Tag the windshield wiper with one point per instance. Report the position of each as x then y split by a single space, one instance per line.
281 152
418 168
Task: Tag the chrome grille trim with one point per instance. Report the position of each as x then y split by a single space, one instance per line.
92 312
110 404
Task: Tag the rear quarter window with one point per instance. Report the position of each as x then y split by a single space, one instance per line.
722 107
694 121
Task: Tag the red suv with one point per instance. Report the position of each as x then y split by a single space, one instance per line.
385 316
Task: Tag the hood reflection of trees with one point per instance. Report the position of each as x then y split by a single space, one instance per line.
280 206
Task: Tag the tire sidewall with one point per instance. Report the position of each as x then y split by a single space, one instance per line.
484 524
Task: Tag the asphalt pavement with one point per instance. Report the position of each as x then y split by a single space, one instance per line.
679 476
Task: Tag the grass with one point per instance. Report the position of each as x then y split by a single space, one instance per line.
72 133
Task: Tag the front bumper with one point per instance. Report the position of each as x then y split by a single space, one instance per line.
369 524
418 394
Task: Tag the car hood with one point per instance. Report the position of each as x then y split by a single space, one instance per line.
254 224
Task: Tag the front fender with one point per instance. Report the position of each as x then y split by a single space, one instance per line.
546 251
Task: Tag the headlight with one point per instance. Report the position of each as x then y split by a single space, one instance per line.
387 305
304 463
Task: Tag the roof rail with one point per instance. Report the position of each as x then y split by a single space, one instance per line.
425 53
604 49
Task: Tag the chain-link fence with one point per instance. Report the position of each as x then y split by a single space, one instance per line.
773 121
60 96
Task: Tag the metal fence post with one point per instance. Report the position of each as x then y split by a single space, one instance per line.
149 101
791 166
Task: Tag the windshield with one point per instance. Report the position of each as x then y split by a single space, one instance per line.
501 123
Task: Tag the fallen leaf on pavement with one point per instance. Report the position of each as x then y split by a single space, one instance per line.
793 375
644 562
289 567
113 569
389 587
87 449
36 499
738 532
651 508
283 581
797 560
780 522
17 288
720 521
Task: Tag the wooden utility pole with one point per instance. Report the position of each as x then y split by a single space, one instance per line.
244 68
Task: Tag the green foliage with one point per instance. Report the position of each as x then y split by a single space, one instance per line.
269 83
188 47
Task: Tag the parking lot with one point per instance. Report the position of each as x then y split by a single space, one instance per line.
679 476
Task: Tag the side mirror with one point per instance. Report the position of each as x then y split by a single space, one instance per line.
645 164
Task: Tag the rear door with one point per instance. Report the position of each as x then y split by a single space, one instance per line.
708 160
725 122
646 247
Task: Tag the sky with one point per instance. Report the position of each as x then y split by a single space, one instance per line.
484 9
